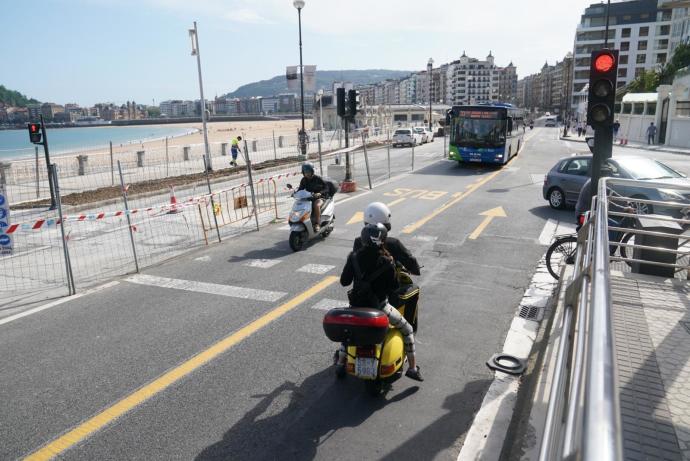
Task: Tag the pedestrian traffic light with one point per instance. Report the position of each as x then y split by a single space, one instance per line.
603 73
353 102
35 133
340 100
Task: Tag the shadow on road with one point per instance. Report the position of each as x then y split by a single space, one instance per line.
546 212
456 169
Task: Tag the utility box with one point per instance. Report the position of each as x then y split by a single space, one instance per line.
224 148
663 242
185 153
140 158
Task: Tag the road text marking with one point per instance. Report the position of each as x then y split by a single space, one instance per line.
209 288
94 424
315 268
262 263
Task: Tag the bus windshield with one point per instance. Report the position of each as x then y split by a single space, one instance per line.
480 132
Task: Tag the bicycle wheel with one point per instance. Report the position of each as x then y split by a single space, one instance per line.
563 248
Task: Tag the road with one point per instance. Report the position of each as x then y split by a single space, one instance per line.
220 353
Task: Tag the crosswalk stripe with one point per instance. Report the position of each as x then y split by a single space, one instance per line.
262 263
315 268
209 288
328 304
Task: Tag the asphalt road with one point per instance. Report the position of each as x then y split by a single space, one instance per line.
267 390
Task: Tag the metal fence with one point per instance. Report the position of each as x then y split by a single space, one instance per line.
583 417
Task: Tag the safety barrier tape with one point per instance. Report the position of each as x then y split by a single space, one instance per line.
204 199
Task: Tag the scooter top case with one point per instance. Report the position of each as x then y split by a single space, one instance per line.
356 326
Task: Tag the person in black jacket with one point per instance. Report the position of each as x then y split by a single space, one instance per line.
371 270
377 212
314 184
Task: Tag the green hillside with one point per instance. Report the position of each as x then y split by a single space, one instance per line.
324 79
14 98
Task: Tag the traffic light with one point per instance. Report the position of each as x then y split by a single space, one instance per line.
603 73
340 100
352 102
35 133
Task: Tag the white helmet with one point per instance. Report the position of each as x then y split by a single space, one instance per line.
377 212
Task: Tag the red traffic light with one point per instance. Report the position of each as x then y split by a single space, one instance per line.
34 127
604 62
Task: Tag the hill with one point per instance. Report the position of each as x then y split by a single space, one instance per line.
14 98
324 79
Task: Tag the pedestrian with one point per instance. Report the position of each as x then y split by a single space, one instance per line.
579 129
651 132
235 150
616 127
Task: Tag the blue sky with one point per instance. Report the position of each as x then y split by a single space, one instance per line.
89 51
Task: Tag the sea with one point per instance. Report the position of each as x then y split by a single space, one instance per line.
15 145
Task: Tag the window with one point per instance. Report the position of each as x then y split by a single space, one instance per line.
598 21
661 58
663 30
638 108
623 59
578 167
639 71
651 108
641 58
626 32
661 44
582 62
644 16
642 45
617 108
625 46
627 17
622 72
644 31
666 15
627 108
683 109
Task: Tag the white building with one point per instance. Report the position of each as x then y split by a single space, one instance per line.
270 105
639 29
471 81
680 22
408 87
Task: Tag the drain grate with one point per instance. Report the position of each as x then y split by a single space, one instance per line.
529 312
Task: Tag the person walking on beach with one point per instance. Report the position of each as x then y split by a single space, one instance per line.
235 149
651 132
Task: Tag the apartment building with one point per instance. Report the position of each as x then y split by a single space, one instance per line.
680 22
639 29
471 81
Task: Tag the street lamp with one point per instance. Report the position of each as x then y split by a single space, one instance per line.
429 67
299 4
321 109
194 36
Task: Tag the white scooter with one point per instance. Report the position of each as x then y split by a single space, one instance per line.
301 228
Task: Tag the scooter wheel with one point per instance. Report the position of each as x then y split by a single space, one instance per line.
375 388
297 240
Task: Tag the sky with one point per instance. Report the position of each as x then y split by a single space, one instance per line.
89 51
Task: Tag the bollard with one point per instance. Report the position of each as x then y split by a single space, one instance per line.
83 160
185 153
140 158
4 172
255 143
280 141
224 148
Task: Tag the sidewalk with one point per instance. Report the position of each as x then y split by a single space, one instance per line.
636 145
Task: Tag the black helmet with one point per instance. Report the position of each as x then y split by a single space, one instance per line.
374 235
307 167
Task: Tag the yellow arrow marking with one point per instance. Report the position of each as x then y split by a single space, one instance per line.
359 216
458 196
497 212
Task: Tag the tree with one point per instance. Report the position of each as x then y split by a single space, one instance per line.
153 111
14 98
646 82
679 60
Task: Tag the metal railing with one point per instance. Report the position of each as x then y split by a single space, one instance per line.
583 417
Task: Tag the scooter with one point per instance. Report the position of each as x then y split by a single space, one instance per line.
301 226
375 350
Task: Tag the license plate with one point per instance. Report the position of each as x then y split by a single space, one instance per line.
366 367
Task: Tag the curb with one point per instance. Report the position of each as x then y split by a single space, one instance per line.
668 151
486 436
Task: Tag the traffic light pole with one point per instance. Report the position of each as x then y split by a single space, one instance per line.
348 173
603 150
53 204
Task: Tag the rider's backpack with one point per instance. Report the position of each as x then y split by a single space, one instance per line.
362 294
331 186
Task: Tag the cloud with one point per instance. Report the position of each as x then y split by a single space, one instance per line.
247 16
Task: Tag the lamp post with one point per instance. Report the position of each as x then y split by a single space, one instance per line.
299 4
429 67
193 35
321 110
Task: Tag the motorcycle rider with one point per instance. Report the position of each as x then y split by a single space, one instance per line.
373 260
314 184
377 212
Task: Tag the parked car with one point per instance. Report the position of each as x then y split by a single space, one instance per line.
429 135
406 137
563 182
423 133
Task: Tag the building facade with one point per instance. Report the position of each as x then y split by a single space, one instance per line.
471 81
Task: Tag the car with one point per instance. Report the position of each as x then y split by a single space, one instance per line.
550 121
563 182
423 133
406 137
429 135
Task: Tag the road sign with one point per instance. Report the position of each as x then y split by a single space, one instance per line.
5 239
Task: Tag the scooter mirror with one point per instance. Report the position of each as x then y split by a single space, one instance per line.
288 185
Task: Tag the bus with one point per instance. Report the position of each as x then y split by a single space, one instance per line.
485 133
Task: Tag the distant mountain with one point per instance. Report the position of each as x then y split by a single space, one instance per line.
14 98
324 79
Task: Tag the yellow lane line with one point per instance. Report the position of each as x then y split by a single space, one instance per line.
395 202
458 197
136 398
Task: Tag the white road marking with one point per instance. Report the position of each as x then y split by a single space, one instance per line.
12 318
328 304
209 288
315 268
548 232
262 263
203 259
568 144
537 178
285 227
425 238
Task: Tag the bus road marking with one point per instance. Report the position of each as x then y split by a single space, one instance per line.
422 194
133 400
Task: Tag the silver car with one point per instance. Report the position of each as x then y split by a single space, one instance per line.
563 183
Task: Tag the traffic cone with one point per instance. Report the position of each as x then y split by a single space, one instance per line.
173 202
